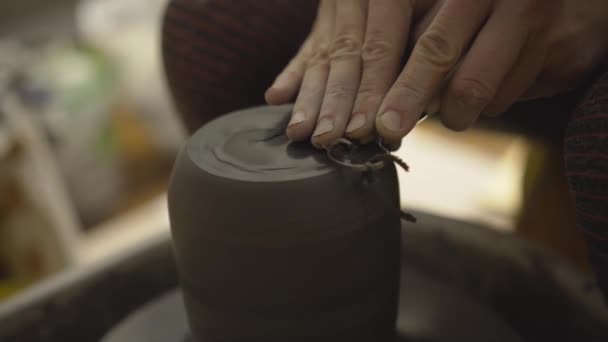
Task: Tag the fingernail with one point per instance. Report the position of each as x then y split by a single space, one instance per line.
355 123
325 125
297 118
391 120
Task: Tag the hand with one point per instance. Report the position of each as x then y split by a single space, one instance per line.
345 67
493 51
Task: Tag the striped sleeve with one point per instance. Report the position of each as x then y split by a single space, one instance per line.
586 158
220 55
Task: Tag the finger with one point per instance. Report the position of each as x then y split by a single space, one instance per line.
421 26
435 53
345 71
425 21
522 77
565 68
309 99
386 35
479 76
421 7
287 83
550 84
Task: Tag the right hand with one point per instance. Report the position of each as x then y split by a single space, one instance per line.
345 67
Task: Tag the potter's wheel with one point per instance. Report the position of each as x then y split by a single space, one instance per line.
429 312
459 283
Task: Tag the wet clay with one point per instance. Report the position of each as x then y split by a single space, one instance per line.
274 242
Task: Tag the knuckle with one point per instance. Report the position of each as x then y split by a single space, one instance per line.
438 50
375 50
345 46
338 92
368 90
309 94
470 90
319 57
307 49
305 54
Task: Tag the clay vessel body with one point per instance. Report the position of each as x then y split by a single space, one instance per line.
275 243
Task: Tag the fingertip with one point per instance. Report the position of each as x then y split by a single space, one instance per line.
357 135
389 138
268 96
322 142
325 132
283 89
298 129
358 127
295 133
275 96
390 142
391 145
362 135
454 117
454 124
461 105
362 138
393 126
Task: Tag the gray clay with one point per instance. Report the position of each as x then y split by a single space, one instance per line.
273 242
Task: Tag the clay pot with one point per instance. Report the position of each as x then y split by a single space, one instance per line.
274 242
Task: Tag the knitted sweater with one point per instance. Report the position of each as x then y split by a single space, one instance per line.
221 55
586 157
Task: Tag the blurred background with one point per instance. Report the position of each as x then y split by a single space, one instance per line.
88 134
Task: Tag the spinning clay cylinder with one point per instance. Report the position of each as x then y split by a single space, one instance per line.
276 243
